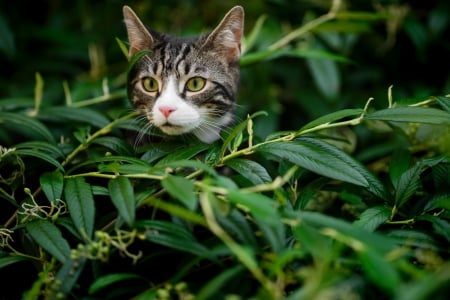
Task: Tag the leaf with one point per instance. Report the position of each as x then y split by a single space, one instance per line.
27 126
52 184
44 156
444 102
117 145
411 114
122 196
46 147
381 272
183 153
373 217
326 76
260 206
172 235
249 169
211 289
80 203
11 259
410 182
181 189
49 237
67 276
108 280
440 226
331 117
74 114
326 160
400 162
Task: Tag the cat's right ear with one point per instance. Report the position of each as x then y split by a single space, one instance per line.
138 35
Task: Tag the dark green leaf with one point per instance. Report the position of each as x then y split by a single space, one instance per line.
183 153
182 189
122 196
373 217
39 146
172 235
52 184
324 159
326 76
49 237
381 272
74 114
67 276
117 145
411 114
260 206
250 170
444 102
80 202
11 259
334 116
211 290
27 126
106 281
44 156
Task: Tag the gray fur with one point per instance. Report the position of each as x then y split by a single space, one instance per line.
214 57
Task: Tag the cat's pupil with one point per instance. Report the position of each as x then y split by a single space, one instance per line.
195 84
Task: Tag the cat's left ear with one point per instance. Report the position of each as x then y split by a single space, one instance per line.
138 35
226 37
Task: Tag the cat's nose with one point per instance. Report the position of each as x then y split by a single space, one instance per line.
167 110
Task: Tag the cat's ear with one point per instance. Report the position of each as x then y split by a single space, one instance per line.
226 37
138 35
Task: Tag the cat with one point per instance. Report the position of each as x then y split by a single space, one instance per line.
186 85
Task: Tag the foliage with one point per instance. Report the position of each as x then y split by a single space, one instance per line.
353 203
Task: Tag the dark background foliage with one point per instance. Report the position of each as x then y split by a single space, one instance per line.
72 45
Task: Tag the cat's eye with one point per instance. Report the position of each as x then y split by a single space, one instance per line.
195 84
150 84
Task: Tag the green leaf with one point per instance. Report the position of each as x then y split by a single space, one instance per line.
326 76
46 147
411 114
49 237
11 259
211 290
249 169
74 114
326 160
373 217
52 184
44 156
260 206
172 235
27 126
444 102
117 145
122 196
108 280
381 272
181 189
440 225
410 182
400 162
80 203
67 276
331 117
183 153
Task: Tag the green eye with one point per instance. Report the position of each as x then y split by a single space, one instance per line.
150 84
195 84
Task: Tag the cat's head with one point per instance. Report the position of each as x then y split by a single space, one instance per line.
186 85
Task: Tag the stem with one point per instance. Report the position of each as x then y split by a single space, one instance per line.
307 27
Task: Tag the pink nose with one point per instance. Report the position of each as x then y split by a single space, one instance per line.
167 110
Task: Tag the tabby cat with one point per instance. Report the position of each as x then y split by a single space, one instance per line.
186 85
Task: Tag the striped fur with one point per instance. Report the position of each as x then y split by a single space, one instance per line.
168 102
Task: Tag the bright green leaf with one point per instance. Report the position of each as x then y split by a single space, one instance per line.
411 114
52 184
373 217
249 169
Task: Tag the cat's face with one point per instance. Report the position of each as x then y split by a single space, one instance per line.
186 85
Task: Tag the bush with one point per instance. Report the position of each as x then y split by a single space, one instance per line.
353 203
